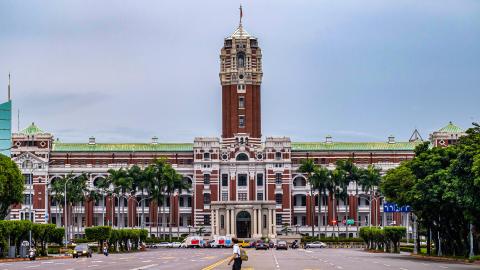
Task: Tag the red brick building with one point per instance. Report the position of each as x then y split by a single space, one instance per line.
242 184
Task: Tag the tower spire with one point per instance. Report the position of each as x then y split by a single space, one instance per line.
9 86
241 15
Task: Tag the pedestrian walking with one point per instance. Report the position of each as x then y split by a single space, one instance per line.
236 256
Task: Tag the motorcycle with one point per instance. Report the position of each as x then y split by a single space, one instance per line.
32 255
294 245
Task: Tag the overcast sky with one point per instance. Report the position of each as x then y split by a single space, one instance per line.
125 71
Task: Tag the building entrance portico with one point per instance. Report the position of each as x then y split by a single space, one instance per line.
246 219
243 225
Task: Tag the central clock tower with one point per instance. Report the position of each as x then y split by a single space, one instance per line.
241 77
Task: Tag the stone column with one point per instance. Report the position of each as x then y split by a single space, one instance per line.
254 222
217 220
212 222
232 221
227 218
274 221
269 227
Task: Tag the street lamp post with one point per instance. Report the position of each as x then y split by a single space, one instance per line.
189 228
296 227
66 209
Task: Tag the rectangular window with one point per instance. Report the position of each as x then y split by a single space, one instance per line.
241 121
242 196
278 178
224 196
304 201
222 222
259 196
279 219
264 221
260 179
242 180
278 198
241 102
304 220
206 156
206 220
27 199
278 155
28 178
224 180
206 179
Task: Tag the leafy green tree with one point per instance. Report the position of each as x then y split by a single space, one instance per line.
11 185
41 233
122 186
99 234
394 234
369 179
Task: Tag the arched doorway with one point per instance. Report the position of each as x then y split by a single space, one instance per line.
243 224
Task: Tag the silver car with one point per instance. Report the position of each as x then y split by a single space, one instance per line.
316 245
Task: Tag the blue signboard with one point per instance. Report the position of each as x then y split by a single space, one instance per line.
394 208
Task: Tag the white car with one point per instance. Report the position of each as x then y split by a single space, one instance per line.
175 245
162 245
316 245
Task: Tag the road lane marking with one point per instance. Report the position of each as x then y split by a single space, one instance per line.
144 267
147 261
276 261
403 268
444 267
93 265
212 266
387 265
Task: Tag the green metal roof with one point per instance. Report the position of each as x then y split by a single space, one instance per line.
122 147
451 128
354 146
31 130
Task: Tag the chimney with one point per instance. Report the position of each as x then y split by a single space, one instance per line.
91 140
391 139
328 139
154 140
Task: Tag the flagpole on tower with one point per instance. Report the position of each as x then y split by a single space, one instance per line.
241 15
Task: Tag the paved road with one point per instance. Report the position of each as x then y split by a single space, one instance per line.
178 259
214 259
329 259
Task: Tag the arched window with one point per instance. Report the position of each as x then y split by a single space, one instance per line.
299 181
240 60
242 157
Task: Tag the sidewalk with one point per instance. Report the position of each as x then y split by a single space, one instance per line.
52 257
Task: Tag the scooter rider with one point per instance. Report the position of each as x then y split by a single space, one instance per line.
105 249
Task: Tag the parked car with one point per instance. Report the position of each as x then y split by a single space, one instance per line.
244 244
282 245
175 245
316 245
163 245
261 245
82 250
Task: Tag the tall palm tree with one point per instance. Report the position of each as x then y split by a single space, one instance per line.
157 187
76 193
102 188
369 179
122 185
173 182
57 190
336 188
347 169
319 182
308 167
142 180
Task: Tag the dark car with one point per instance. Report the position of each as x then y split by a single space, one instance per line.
82 250
261 245
271 244
282 245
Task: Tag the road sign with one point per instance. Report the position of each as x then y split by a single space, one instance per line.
394 208
350 221
46 216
